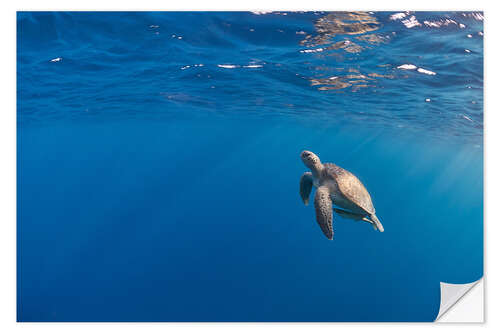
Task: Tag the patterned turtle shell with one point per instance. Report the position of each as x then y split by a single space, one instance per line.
350 186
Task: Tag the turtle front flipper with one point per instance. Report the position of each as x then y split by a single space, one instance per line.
324 213
306 184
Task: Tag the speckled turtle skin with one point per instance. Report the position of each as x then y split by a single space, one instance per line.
335 186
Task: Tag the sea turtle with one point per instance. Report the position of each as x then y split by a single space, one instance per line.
338 186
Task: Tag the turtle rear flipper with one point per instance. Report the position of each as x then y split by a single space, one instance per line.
376 222
350 215
354 216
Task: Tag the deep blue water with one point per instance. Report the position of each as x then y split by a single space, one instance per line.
158 164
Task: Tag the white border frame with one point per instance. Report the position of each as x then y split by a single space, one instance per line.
8 166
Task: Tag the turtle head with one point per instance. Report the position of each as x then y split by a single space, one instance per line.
311 160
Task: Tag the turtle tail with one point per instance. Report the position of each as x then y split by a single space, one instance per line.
375 220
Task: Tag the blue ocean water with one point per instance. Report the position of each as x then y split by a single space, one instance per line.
158 163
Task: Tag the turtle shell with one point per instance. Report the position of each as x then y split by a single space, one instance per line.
350 186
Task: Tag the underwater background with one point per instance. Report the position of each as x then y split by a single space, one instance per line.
158 163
